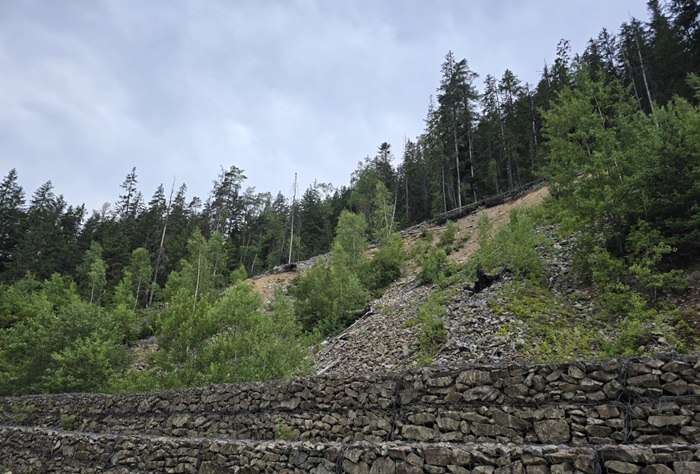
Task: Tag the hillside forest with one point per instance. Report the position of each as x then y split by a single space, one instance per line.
613 130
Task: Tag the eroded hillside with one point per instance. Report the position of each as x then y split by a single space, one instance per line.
505 322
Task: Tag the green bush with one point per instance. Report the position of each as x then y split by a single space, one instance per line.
328 298
77 336
432 330
434 266
68 421
386 265
447 238
234 339
284 432
513 245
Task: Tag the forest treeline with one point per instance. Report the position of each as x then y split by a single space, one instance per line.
613 129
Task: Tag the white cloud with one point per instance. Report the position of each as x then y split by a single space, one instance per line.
91 89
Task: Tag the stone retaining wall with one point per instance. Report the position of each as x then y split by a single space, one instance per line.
646 401
650 400
43 450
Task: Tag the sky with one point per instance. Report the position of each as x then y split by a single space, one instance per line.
180 89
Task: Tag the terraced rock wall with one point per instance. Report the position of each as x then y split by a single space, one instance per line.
40 450
639 413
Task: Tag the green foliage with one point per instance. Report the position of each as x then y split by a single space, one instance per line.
80 349
284 432
202 271
386 264
239 274
432 330
382 216
68 421
94 272
434 266
221 342
328 297
513 245
85 365
22 301
141 273
632 335
625 181
350 244
646 249
447 238
24 415
688 338
595 135
553 330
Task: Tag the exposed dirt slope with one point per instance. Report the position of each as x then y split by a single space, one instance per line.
267 283
381 340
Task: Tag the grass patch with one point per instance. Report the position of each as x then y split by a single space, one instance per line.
284 432
553 330
432 330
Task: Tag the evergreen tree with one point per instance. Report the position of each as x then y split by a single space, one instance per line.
452 126
315 220
130 203
12 216
49 243
225 203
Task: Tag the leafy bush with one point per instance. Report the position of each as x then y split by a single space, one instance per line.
234 339
513 245
284 432
432 330
80 349
434 266
647 247
328 297
86 365
385 267
447 238
68 421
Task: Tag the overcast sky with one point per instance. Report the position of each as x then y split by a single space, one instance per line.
178 89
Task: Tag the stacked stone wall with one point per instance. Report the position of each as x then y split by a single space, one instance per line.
582 404
55 451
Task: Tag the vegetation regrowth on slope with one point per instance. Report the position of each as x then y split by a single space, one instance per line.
621 157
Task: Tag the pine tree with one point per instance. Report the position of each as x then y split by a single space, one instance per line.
225 203
12 214
49 243
455 119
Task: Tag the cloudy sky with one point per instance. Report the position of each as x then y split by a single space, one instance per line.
178 89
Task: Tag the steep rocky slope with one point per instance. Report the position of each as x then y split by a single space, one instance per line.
384 338
480 327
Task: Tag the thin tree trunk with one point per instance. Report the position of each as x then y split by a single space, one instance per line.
291 234
444 192
196 287
634 84
160 248
646 84
471 163
138 293
459 181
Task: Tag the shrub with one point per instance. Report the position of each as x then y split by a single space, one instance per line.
513 245
432 330
434 266
385 267
447 238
